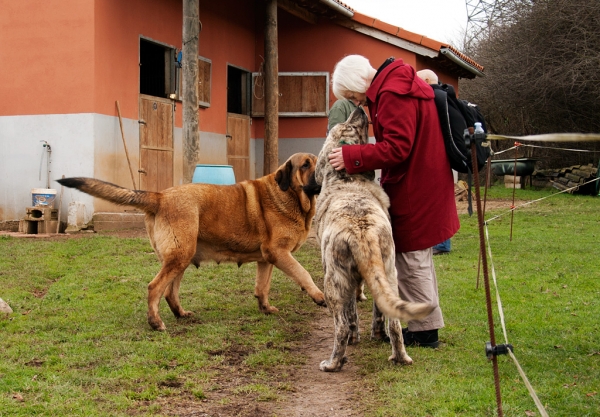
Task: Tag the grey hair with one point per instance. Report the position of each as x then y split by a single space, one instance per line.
351 74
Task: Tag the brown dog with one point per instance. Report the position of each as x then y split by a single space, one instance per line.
263 220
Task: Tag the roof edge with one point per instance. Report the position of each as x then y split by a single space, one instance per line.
462 60
403 38
439 47
339 7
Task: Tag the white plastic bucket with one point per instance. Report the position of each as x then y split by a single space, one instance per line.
43 197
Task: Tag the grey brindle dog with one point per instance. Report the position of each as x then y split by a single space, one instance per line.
354 230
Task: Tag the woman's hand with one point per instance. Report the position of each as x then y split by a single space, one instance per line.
336 159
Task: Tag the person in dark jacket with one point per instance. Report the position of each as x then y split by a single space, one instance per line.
431 77
415 173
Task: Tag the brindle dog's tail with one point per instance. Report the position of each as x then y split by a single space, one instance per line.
372 269
147 201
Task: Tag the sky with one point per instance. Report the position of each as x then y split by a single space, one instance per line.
441 20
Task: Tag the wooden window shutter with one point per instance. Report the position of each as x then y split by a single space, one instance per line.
301 94
204 81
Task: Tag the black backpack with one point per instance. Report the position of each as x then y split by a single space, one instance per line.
455 116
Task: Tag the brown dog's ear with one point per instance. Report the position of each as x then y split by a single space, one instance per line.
283 176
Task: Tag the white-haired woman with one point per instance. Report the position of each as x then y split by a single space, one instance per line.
415 173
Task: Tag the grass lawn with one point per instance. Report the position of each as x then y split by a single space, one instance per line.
549 282
78 343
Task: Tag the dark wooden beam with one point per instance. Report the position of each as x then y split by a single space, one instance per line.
189 65
271 89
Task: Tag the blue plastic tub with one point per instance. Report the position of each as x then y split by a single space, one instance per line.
214 174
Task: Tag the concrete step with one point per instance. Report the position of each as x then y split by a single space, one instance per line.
118 221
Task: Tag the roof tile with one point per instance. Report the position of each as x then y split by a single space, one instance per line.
432 44
410 36
386 27
465 58
363 18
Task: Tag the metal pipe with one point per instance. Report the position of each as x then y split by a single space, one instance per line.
338 8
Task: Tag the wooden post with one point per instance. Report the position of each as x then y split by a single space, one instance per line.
271 89
189 65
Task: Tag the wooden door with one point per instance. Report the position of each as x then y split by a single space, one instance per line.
156 143
238 145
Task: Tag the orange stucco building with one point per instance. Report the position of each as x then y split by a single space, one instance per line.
66 64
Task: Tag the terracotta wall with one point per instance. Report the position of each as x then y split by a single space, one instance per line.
82 56
118 27
47 56
227 37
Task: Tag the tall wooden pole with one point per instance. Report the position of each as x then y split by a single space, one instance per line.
271 89
189 65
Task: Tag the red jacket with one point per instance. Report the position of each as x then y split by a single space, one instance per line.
410 152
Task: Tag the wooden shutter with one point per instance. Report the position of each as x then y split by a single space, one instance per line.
204 80
301 94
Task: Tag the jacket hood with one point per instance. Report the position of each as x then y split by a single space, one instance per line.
399 78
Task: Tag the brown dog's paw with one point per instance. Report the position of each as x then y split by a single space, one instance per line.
320 300
268 309
156 324
184 314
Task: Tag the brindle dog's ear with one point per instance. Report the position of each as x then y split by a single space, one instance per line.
283 176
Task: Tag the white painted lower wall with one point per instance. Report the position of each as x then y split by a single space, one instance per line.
91 145
83 145
71 138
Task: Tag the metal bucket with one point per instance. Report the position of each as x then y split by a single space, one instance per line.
214 174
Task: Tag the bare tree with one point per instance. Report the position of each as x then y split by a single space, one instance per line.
541 69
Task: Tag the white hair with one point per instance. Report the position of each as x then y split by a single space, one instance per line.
351 74
428 76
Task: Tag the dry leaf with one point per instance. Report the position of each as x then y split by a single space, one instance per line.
591 394
18 397
530 413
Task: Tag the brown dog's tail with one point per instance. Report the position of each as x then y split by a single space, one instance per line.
372 269
147 201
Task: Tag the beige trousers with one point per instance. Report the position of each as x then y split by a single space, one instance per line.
417 282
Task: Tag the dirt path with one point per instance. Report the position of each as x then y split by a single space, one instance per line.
317 393
321 394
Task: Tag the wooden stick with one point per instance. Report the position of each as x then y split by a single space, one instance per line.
125 145
59 206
